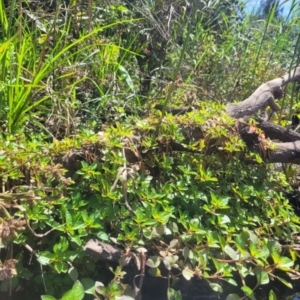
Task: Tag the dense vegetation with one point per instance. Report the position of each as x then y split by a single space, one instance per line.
85 153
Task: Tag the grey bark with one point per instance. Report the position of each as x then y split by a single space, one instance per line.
264 96
103 251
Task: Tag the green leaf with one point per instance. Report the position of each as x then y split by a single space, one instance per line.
223 219
286 283
241 240
248 291
231 252
103 236
186 252
62 246
125 75
61 267
73 273
45 258
173 243
69 219
173 295
168 261
47 297
77 240
272 295
159 230
216 287
88 285
244 271
262 276
153 261
100 289
173 227
147 233
187 273
230 280
284 264
76 293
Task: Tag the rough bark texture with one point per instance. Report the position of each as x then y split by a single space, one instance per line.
264 96
288 150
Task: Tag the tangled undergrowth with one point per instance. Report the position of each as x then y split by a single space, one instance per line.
85 155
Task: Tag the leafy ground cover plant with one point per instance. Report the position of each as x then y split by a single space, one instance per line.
199 213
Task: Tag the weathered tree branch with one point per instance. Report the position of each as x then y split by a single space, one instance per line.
103 251
277 132
263 97
285 153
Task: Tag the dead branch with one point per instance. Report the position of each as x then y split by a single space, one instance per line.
263 97
102 251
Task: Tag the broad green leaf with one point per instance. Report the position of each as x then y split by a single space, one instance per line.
45 257
153 261
173 295
241 240
272 295
125 75
254 250
230 280
286 283
173 227
60 266
186 252
62 246
262 276
168 261
187 273
178 296
147 233
103 236
77 240
222 242
253 237
76 293
47 297
173 243
231 252
73 273
244 271
88 285
43 260
216 287
224 219
284 263
99 286
159 229
248 291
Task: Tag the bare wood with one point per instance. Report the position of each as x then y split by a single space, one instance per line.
263 97
277 132
285 152
103 251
